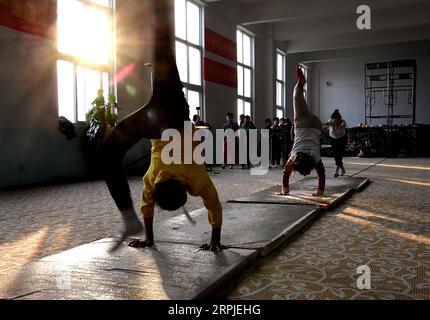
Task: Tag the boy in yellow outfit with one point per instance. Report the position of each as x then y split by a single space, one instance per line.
165 185
175 180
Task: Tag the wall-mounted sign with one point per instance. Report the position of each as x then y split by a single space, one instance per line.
31 16
220 73
220 45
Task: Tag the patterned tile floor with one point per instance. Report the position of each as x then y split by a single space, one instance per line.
386 227
40 221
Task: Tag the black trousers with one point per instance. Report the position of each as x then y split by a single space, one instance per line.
276 151
338 147
167 108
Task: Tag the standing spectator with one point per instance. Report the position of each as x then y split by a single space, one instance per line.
287 143
246 125
199 123
338 140
241 119
276 143
230 124
268 126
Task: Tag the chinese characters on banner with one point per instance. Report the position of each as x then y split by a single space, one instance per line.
220 45
215 71
220 73
31 16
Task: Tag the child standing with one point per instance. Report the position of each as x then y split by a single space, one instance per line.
338 140
230 124
277 133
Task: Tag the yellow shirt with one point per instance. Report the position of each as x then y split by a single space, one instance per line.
194 176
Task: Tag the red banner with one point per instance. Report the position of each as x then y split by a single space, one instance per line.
220 73
220 45
31 16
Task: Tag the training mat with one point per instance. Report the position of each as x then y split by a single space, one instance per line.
301 192
262 227
167 271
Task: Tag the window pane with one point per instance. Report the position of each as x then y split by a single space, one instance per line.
96 44
180 27
193 23
104 3
66 90
279 113
280 67
240 107
246 50
195 66
88 83
279 94
181 61
239 46
240 80
84 31
68 30
247 108
194 102
247 83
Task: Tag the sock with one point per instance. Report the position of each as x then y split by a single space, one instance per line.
131 221
300 77
132 226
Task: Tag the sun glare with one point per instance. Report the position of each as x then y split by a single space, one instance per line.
84 32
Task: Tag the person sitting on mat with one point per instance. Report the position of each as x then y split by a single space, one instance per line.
305 154
165 185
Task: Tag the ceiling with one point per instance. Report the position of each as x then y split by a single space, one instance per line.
307 25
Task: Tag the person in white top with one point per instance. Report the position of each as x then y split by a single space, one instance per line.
305 154
338 140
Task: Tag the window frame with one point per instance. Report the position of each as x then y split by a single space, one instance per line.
280 107
101 68
188 86
241 64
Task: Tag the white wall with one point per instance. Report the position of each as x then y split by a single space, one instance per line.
344 69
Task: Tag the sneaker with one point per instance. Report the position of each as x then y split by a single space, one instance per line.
336 172
342 170
231 167
223 166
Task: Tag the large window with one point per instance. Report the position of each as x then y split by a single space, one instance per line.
280 84
189 52
85 50
245 63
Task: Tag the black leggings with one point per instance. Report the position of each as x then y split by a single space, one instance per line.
167 108
338 146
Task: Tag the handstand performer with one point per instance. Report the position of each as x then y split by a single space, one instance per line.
305 154
165 185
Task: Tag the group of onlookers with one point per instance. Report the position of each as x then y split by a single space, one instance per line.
281 140
281 133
